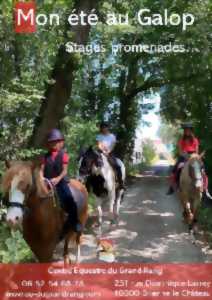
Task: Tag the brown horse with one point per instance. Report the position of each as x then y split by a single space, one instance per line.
191 188
34 206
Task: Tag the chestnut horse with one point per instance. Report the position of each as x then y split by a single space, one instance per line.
33 205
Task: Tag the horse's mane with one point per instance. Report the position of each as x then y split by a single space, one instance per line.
41 188
20 169
25 172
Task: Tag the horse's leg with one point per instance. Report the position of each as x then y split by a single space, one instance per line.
112 198
100 214
185 204
196 205
71 236
65 251
78 250
118 203
189 212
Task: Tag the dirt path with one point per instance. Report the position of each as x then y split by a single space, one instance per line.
150 227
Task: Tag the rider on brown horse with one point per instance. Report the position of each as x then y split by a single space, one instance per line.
55 168
187 145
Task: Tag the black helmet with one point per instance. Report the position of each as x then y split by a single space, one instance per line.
104 125
55 135
187 126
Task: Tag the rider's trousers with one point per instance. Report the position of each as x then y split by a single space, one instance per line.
67 201
113 161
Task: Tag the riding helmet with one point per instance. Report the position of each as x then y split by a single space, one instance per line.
187 126
104 125
55 135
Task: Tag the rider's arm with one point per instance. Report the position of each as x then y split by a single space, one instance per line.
100 143
113 143
64 172
57 179
180 149
197 145
42 170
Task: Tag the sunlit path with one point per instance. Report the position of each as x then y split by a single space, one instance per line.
151 227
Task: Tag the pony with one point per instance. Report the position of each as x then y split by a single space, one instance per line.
99 177
33 206
191 188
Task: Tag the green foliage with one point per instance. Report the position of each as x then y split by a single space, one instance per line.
192 99
149 152
168 133
135 169
91 203
18 108
79 135
205 219
13 249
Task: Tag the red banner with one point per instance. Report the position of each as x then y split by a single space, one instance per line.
106 281
25 17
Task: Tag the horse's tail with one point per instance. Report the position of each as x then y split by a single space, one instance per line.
208 195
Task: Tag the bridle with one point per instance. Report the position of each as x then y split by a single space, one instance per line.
95 161
192 172
52 194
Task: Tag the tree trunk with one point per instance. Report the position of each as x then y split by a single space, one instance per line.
127 127
128 115
57 94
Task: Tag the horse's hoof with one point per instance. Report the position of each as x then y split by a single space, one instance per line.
67 260
111 215
190 228
78 261
113 222
96 225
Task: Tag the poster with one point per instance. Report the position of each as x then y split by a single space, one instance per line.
105 158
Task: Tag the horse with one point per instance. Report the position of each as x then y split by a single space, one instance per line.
191 188
33 205
99 177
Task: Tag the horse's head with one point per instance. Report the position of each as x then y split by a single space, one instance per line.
90 163
17 183
195 171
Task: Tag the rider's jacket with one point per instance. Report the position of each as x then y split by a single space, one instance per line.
188 145
53 163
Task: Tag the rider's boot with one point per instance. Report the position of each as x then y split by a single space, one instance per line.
69 225
121 183
170 191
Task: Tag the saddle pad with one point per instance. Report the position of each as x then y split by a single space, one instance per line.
78 196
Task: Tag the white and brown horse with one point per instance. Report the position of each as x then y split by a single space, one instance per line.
191 188
99 177
33 205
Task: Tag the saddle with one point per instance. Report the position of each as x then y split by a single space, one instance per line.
77 195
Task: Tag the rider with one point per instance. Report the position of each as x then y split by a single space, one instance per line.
55 168
188 144
106 142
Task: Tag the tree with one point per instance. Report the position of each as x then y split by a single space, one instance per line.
59 89
148 152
